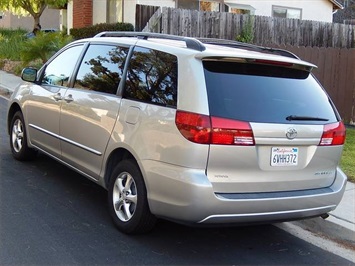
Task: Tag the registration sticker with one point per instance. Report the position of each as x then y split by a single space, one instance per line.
284 156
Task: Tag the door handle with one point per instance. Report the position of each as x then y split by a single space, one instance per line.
69 98
57 97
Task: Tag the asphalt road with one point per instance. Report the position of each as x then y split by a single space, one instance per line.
50 215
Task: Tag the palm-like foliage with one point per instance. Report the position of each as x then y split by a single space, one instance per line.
43 46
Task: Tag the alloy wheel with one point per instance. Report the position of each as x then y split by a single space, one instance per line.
124 196
17 135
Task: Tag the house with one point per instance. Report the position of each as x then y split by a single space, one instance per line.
81 13
49 19
318 10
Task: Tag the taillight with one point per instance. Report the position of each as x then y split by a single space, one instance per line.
333 134
204 129
231 132
194 127
271 62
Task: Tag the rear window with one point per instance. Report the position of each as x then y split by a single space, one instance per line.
263 93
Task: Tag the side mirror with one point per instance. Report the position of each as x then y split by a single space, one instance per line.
29 74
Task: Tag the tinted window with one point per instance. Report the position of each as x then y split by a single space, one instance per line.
259 93
101 68
59 70
152 77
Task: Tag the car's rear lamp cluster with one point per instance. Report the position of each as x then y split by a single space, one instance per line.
204 129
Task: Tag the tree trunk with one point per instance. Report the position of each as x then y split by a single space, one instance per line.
36 21
37 16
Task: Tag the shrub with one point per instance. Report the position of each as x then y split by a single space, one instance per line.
43 46
10 32
91 31
247 34
10 43
17 69
2 63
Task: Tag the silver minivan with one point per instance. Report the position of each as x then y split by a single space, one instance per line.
195 131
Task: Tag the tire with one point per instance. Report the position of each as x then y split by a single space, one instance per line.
18 139
127 200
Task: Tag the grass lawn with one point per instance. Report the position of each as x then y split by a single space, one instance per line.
348 159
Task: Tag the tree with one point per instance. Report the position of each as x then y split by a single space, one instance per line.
346 15
33 7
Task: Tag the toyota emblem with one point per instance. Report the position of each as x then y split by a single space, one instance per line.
291 133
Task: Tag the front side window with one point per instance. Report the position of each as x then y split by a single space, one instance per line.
286 12
59 70
152 77
102 68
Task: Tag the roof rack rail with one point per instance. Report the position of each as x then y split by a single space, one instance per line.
191 43
247 46
197 43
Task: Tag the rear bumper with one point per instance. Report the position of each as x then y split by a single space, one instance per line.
187 196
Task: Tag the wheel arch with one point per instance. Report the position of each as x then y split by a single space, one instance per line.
11 112
114 158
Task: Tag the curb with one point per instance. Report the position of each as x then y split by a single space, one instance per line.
332 228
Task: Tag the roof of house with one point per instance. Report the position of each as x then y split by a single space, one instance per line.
336 5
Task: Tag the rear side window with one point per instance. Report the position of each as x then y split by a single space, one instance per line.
266 94
152 77
102 68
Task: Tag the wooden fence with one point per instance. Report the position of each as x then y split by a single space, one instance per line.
143 14
265 30
336 72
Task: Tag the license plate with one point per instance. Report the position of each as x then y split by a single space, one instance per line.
284 156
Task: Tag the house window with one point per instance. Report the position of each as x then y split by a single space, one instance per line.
286 12
188 4
114 11
240 9
210 6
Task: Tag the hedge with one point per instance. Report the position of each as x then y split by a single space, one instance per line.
91 31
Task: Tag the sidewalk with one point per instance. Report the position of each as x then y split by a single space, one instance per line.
339 226
8 82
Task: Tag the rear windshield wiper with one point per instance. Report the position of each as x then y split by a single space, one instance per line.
305 118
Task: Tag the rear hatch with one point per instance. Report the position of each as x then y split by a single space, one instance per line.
273 127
